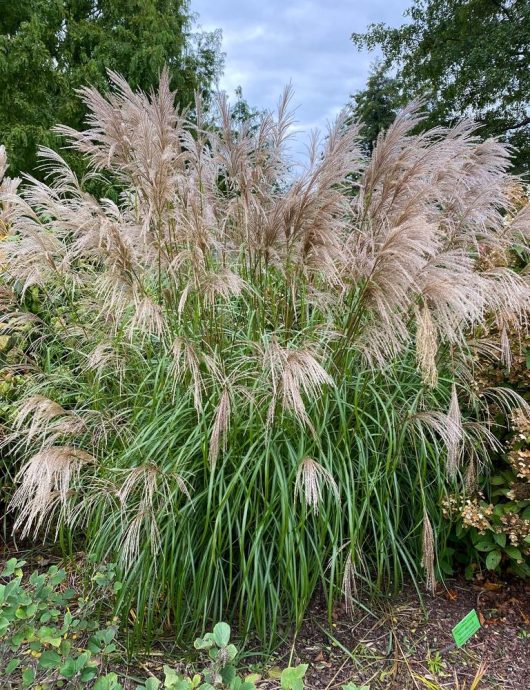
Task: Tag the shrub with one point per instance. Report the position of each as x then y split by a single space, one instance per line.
247 384
51 637
493 530
43 624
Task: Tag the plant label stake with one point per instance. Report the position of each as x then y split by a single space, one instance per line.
467 627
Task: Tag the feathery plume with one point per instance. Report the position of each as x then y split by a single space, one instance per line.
40 418
349 584
144 492
148 319
311 477
427 560
426 346
186 361
46 481
220 427
455 447
3 162
506 351
293 373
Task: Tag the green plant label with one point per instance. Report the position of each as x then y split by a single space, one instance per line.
467 627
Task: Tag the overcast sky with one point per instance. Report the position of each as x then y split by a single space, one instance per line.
269 43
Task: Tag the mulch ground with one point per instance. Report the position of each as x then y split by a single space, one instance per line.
403 639
395 643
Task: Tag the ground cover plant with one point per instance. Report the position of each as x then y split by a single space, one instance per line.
241 384
50 635
53 636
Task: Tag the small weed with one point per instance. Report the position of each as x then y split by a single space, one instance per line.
435 663
48 634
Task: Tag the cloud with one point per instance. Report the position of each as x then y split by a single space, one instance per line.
306 42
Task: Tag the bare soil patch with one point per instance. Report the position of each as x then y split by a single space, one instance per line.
404 638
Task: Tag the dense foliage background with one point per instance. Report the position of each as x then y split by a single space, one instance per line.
466 57
50 48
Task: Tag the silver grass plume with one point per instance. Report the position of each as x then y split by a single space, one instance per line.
349 584
220 427
46 480
455 447
145 491
311 478
426 346
427 560
42 419
294 372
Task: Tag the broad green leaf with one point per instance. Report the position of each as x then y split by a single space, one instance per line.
28 676
12 665
82 661
513 552
108 682
252 677
485 545
87 674
49 659
292 678
152 684
12 567
221 634
231 652
500 539
247 685
68 669
493 559
171 677
205 642
228 673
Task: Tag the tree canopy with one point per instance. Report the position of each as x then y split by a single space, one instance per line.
467 57
376 105
49 48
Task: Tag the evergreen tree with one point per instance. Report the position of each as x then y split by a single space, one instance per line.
376 105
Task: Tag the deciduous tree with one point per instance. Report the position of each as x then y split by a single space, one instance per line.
49 48
467 57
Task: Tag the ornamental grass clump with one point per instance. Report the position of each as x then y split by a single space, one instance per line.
243 383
